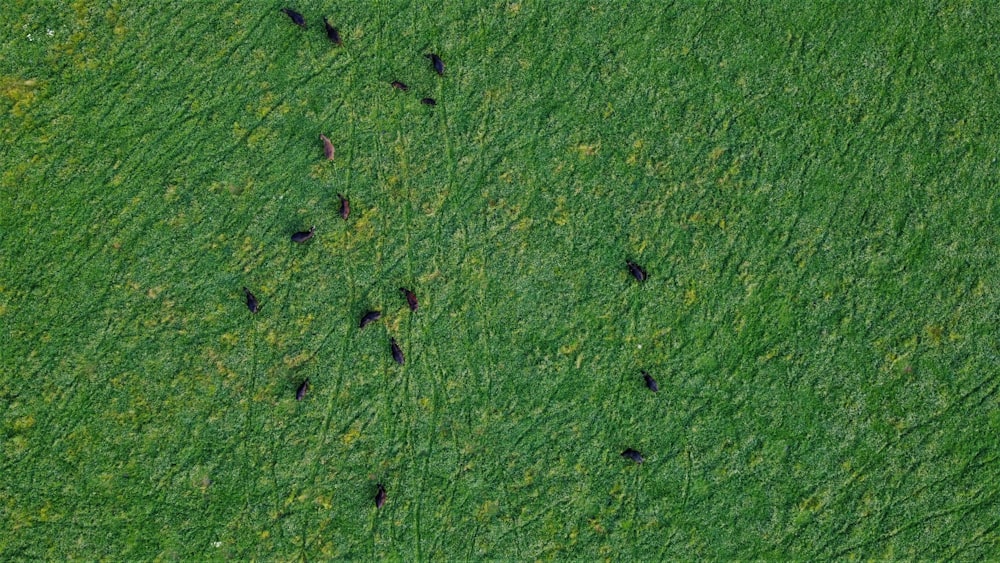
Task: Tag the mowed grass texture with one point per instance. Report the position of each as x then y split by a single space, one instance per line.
812 188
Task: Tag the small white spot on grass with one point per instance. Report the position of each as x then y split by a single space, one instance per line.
640 346
50 32
216 544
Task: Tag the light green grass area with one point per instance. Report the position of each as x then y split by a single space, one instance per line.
812 187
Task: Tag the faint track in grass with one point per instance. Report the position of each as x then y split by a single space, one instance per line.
842 490
460 459
988 534
965 509
436 408
248 427
321 439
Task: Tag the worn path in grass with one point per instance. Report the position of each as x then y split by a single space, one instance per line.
812 189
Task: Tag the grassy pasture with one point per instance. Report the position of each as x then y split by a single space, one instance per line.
812 188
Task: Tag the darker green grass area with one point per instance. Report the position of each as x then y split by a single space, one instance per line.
812 189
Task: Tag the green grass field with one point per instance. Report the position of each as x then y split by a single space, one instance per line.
812 187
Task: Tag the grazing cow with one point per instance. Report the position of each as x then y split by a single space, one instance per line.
397 352
345 207
303 236
332 33
297 18
251 301
636 270
300 393
370 316
327 147
437 62
650 382
633 455
411 298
